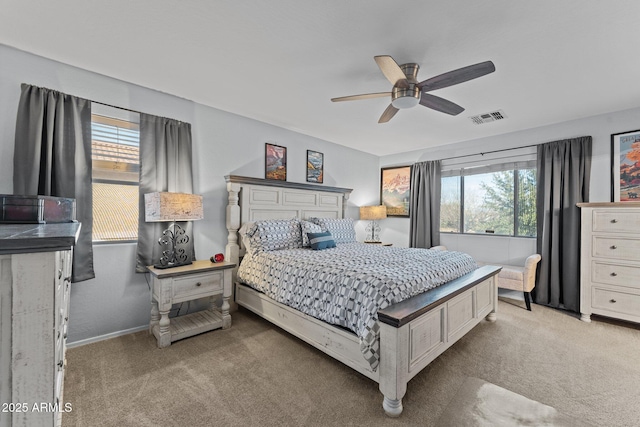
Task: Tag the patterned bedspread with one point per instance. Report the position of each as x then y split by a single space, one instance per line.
347 285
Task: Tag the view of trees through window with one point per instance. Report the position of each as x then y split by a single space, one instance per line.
502 203
450 202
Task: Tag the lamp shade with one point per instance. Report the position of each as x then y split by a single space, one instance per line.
373 212
162 207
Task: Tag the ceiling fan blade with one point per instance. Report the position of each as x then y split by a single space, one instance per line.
363 96
388 114
391 70
457 76
440 104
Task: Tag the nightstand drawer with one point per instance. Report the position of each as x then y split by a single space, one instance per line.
191 287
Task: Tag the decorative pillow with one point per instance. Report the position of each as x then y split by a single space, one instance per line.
320 241
308 227
244 238
341 229
274 234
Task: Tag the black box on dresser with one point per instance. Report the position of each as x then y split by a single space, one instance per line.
18 209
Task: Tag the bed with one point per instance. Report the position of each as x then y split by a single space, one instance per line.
408 334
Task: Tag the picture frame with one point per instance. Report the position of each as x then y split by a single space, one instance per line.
625 166
315 166
395 190
275 162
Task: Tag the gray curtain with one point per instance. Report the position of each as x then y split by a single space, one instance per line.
165 165
564 169
52 157
424 211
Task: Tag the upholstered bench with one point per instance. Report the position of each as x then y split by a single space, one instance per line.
519 278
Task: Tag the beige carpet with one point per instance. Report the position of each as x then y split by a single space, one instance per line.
254 374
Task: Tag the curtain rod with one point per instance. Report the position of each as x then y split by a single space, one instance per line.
490 152
509 149
103 103
119 108
134 111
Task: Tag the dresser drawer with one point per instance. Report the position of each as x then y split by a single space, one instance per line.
619 302
615 274
616 248
616 221
191 287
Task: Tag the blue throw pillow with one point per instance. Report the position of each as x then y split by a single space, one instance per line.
321 241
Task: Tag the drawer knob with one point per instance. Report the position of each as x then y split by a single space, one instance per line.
198 284
614 247
612 301
613 221
614 274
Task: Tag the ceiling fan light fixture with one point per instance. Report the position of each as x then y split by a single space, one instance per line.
402 98
408 92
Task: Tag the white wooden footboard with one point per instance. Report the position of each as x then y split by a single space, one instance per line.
412 333
416 331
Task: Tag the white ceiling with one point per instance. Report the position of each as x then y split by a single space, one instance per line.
280 61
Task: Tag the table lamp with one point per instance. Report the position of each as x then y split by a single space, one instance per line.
173 207
373 213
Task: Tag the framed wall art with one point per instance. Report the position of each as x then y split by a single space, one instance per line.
395 190
275 162
625 166
315 166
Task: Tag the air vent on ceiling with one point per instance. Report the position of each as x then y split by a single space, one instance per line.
488 117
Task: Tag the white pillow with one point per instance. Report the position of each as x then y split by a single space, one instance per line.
246 241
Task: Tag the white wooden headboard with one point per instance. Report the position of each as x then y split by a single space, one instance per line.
253 199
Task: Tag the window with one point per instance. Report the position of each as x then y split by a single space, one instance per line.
115 154
450 204
496 199
488 203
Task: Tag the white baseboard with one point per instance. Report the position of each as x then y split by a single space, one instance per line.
107 336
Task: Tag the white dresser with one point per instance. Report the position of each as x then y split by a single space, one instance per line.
610 260
35 279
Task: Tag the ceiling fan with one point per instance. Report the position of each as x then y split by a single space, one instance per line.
407 92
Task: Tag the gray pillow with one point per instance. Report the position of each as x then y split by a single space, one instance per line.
274 234
341 229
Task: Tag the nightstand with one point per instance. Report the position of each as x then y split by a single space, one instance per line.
201 279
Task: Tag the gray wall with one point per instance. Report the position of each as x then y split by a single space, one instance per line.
509 250
117 299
